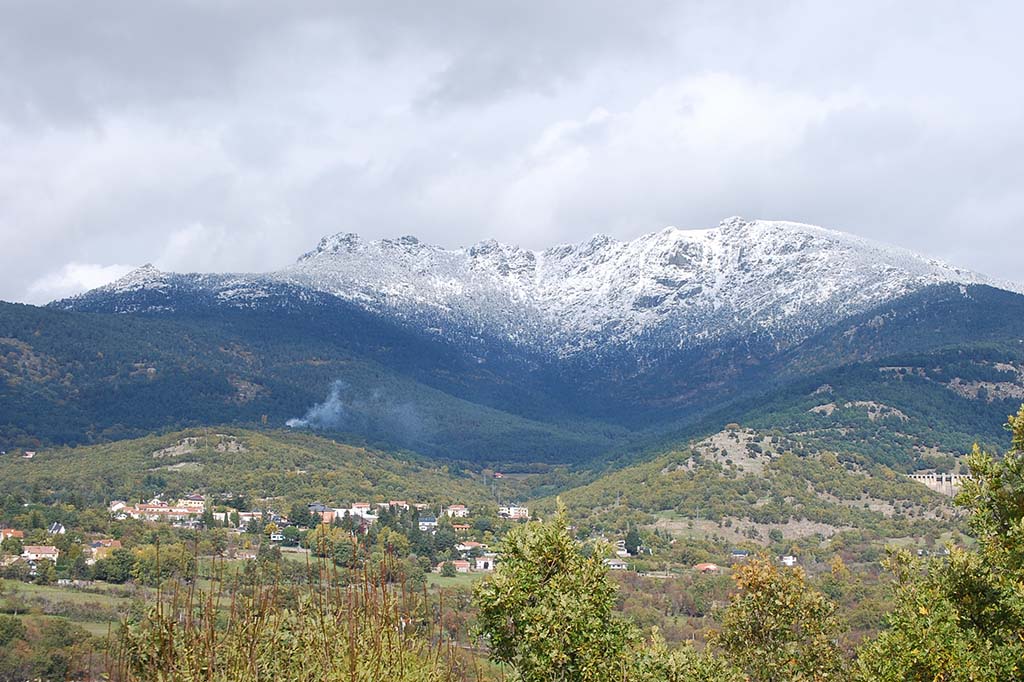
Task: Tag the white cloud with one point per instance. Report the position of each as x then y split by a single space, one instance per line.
74 278
528 123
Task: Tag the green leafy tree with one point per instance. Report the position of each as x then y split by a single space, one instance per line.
299 515
962 617
12 546
778 628
548 611
633 541
119 567
292 535
11 628
346 553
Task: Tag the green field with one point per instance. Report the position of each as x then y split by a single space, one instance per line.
459 580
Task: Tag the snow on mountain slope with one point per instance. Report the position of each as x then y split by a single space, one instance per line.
776 281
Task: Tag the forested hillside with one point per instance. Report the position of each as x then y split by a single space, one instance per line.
235 464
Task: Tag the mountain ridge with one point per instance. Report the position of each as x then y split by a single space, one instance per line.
495 354
774 279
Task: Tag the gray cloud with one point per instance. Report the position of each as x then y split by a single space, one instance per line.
231 136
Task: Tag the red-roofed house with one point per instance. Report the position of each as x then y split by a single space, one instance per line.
457 511
38 552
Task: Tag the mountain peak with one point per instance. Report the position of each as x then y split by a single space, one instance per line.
332 244
144 277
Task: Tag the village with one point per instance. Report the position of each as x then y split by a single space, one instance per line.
463 541
457 540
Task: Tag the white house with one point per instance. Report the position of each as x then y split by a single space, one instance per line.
457 511
615 564
427 524
514 512
789 560
359 510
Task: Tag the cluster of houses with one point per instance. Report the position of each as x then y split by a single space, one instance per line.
617 563
187 512
184 509
366 513
32 554
474 557
188 509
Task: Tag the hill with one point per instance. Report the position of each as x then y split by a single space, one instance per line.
752 487
235 463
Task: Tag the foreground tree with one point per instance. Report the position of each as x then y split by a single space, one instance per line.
962 617
778 628
548 612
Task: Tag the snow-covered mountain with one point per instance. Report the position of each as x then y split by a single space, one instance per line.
778 282
496 353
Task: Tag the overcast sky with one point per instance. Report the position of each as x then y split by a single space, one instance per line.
217 136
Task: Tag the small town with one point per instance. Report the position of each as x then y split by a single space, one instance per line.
460 542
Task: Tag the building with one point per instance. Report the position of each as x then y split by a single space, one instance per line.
944 484
359 510
460 527
57 528
615 564
789 560
39 552
514 512
11 533
158 510
484 563
101 549
29 454
739 555
427 524
195 502
325 513
706 567
460 566
457 511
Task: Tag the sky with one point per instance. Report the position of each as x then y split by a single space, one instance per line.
221 135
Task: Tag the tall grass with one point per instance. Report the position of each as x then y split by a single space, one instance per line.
366 631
